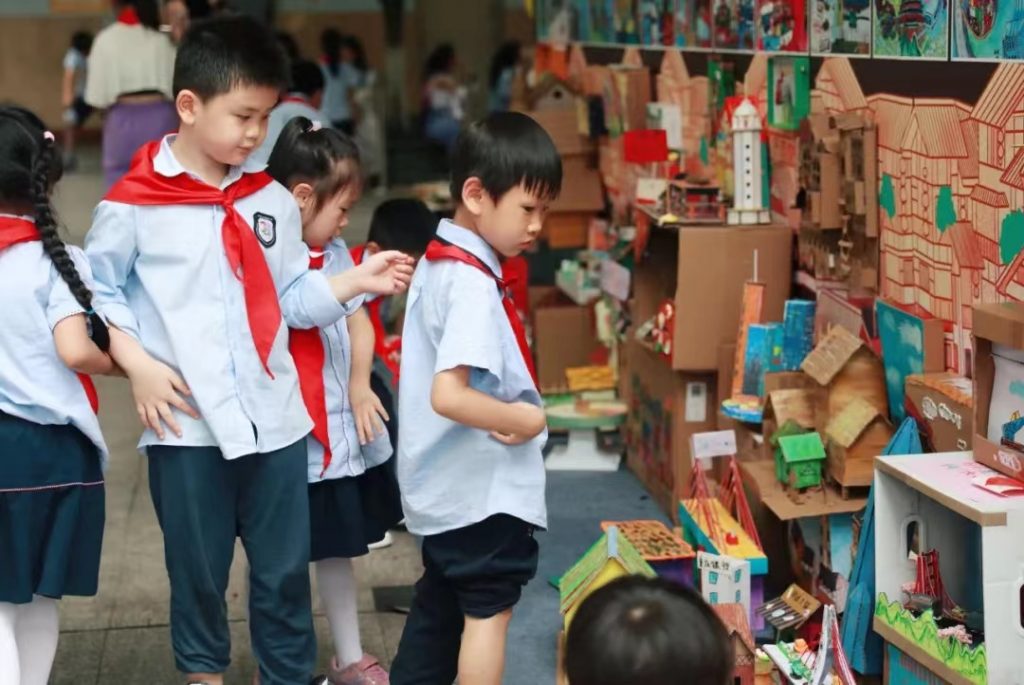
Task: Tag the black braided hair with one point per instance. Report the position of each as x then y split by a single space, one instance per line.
31 167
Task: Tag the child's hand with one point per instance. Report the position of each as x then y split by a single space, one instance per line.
157 388
530 422
368 412
386 273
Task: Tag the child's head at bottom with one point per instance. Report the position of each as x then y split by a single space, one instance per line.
320 166
404 224
506 172
647 631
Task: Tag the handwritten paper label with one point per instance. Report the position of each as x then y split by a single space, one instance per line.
615 279
713 444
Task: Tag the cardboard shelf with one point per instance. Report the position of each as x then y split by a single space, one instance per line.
915 652
760 477
947 478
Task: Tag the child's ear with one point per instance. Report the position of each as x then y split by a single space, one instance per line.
474 195
187 103
372 247
303 194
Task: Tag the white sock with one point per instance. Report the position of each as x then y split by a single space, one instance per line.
336 582
38 629
10 672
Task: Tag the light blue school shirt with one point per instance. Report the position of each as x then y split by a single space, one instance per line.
35 384
337 85
348 457
451 475
163 277
279 116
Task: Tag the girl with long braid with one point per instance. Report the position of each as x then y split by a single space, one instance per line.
52 453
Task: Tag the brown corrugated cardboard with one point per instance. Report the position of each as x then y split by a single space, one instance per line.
665 409
703 268
563 337
563 128
1003 324
942 404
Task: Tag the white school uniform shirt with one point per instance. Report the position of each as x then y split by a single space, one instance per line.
35 384
163 277
129 59
348 457
451 475
281 115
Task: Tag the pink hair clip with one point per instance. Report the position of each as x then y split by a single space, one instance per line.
314 125
48 135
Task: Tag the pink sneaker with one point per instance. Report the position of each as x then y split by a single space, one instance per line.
366 671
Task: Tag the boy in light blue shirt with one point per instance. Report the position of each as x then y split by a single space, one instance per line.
471 420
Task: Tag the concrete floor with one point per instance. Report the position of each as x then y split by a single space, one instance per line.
122 635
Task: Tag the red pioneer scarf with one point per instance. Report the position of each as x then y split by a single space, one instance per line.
387 352
307 350
14 231
128 16
142 185
437 250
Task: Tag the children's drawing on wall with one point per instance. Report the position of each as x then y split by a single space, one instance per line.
1006 410
782 26
683 29
902 337
655 21
789 91
911 28
988 29
599 15
841 27
702 23
555 21
624 21
733 25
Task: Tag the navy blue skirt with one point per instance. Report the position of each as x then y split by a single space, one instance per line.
52 509
348 514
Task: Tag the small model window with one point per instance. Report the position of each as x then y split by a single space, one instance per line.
913 538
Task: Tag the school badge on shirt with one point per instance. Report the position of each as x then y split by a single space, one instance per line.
265 227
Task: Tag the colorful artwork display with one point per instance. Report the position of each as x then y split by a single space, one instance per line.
841 27
683 22
733 25
988 29
902 337
917 29
624 22
702 23
655 22
595 20
789 92
782 25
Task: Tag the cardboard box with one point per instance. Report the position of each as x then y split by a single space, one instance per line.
562 126
665 409
564 336
704 268
943 406
581 199
1002 324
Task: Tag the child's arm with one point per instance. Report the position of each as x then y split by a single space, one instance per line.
366 406
311 300
111 248
77 350
156 387
512 423
67 88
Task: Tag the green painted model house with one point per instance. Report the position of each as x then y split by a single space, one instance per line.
790 427
802 456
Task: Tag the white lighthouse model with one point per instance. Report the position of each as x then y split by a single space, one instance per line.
748 171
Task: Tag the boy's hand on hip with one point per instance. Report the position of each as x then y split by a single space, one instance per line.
368 412
528 422
386 273
157 388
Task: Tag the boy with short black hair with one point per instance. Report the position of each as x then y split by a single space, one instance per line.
472 427
200 269
303 99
